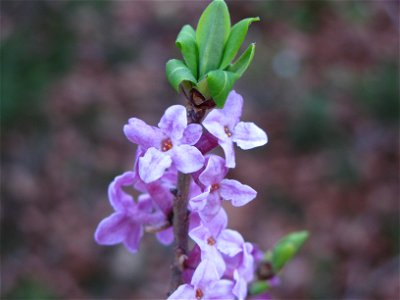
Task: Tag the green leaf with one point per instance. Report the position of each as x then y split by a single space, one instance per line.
242 63
220 83
286 248
202 87
186 42
177 72
235 40
258 287
211 35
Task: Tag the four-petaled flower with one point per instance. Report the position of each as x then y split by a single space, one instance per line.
214 241
169 143
217 188
220 289
241 269
225 125
125 225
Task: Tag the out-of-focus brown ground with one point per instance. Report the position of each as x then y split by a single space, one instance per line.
323 84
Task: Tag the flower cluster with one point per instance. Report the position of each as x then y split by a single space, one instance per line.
222 263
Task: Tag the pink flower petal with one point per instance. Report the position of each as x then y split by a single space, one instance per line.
174 122
120 200
187 159
227 146
215 123
239 194
184 291
140 133
246 268
200 235
214 256
165 237
133 238
248 135
230 242
205 273
153 165
217 223
233 108
222 289
192 134
240 287
198 202
212 207
214 171
113 229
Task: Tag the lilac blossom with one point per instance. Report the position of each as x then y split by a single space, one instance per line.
225 125
171 143
217 188
126 224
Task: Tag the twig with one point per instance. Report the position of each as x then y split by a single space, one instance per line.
181 227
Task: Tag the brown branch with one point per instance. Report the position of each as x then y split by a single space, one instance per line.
181 227
180 221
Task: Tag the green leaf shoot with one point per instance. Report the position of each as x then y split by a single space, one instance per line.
211 35
186 43
208 52
178 72
286 248
220 83
235 40
243 62
258 287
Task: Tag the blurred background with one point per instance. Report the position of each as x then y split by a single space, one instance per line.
323 85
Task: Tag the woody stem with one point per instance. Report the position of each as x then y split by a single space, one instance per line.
181 227
180 206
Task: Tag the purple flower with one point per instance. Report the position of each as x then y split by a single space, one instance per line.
125 225
191 263
170 143
221 289
205 284
246 265
241 269
225 125
160 193
214 240
217 188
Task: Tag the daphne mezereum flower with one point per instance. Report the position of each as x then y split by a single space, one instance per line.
126 224
225 125
217 188
214 240
168 144
220 289
205 283
240 268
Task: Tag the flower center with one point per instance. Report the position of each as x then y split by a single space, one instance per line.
227 131
211 241
166 145
199 294
214 187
